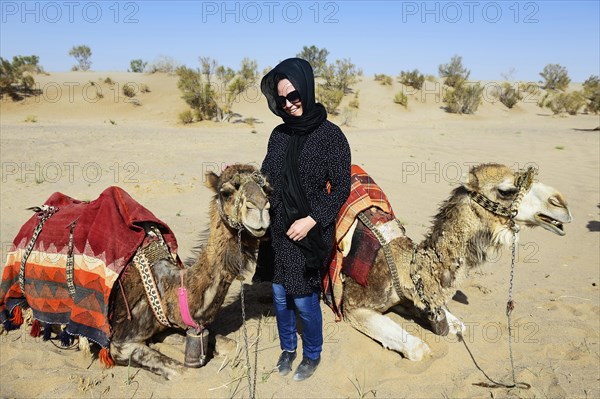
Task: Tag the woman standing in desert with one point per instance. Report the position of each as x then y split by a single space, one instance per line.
308 165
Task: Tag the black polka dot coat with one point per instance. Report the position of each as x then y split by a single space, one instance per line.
324 158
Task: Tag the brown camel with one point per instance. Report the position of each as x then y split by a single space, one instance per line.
465 229
238 217
240 202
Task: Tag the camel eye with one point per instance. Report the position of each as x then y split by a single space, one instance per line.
507 193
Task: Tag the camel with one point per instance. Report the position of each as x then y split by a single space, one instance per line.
238 218
240 202
464 231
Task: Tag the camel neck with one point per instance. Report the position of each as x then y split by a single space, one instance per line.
219 263
459 235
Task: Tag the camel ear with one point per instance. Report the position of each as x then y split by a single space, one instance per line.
211 181
472 182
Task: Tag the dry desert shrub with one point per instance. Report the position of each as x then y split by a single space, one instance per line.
186 117
463 99
509 96
15 79
570 103
412 78
555 77
383 79
401 98
591 91
129 90
454 72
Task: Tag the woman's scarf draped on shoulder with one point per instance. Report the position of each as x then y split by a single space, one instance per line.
293 197
300 74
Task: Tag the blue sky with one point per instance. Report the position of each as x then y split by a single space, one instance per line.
378 36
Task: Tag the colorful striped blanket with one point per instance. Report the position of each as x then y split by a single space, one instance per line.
364 194
98 238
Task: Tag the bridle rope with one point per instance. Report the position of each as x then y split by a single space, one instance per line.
236 224
523 182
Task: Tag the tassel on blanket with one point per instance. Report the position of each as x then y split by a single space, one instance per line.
47 332
36 329
17 318
105 358
5 319
66 339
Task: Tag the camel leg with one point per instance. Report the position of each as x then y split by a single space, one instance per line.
454 323
384 330
145 357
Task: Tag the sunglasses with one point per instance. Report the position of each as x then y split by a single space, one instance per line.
293 97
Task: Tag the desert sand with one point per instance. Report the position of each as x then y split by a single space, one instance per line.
71 141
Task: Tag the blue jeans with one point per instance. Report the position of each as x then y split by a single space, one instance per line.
309 311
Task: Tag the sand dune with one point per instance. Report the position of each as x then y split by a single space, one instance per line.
79 144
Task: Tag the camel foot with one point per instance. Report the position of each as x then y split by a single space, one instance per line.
456 326
416 350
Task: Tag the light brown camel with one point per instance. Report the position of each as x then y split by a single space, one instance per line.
462 234
238 217
240 202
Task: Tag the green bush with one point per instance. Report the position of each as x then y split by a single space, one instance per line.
316 57
341 75
14 79
412 78
137 65
337 79
454 72
82 55
212 90
383 79
401 98
509 96
464 99
555 77
591 91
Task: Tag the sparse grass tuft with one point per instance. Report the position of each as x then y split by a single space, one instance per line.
383 79
361 389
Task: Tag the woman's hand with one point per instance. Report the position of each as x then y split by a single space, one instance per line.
300 228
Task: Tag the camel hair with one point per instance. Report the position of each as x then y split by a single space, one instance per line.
462 236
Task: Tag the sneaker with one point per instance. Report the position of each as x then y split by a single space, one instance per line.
284 364
306 368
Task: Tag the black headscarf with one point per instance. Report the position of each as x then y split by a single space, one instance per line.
300 74
293 197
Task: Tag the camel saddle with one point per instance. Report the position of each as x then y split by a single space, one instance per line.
67 257
366 200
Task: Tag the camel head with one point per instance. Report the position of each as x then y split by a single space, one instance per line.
242 196
540 205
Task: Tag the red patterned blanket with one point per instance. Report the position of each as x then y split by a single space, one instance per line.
364 194
100 237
